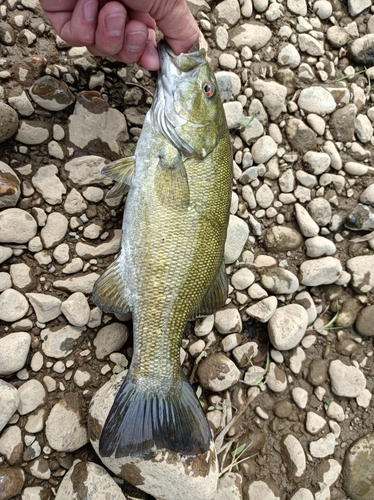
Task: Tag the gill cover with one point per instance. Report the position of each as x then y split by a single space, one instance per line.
186 102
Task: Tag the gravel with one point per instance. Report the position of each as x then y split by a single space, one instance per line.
299 254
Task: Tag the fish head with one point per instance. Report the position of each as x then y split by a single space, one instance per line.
187 107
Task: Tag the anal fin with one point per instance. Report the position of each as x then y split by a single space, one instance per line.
109 292
215 296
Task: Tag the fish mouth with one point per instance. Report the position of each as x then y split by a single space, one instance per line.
183 62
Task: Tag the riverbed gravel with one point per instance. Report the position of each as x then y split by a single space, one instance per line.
296 79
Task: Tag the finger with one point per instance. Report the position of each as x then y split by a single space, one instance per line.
110 29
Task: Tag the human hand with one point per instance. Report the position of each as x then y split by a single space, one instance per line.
123 29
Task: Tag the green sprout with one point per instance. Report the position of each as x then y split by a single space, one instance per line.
368 89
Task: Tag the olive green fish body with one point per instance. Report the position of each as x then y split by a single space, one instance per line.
170 268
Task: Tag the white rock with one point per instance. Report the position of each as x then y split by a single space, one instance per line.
237 235
109 247
76 309
217 373
364 398
323 9
317 123
303 494
13 305
264 196
355 7
274 97
10 441
234 114
32 132
228 320
253 35
93 478
46 307
263 310
335 411
347 381
323 447
32 394
295 456
323 271
319 246
74 266
316 100
362 271
64 428
85 171
17 226
227 12
314 423
305 222
316 163
300 396
289 56
46 182
363 128
279 280
297 359
61 253
229 487
310 45
82 284
242 279
287 326
14 348
260 490
74 203
203 326
298 7
59 343
110 339
245 352
53 233
276 379
9 400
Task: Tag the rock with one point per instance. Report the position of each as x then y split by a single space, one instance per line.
319 246
347 381
289 56
48 184
282 239
317 372
82 284
229 487
273 97
361 218
243 353
276 378
217 373
323 447
85 171
167 477
32 132
64 427
242 279
367 195
53 233
234 114
23 277
358 468
237 235
14 349
110 338
342 123
35 493
362 272
228 343
300 396
263 310
51 94
363 128
320 211
335 412
229 84
74 203
365 320
9 401
279 280
310 45
323 271
287 326
13 305
46 307
17 226
263 490
254 35
227 12
76 309
316 100
9 185
90 478
32 395
300 136
228 320
316 163
263 149
337 37
11 445
294 456
297 7
314 423
9 122
107 248
88 123
303 494
305 222
361 50
11 479
59 342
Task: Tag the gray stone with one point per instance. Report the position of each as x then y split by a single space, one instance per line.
76 309
253 35
282 239
365 320
110 338
263 310
346 380
32 395
59 342
287 326
323 271
316 100
53 233
82 284
305 222
263 149
228 320
337 37
294 456
320 211
14 348
273 97
298 7
237 235
11 445
342 123
13 305
318 246
227 12
48 184
217 373
316 163
46 307
16 226
9 122
362 271
358 468
9 399
300 135
278 280
310 45
323 447
243 278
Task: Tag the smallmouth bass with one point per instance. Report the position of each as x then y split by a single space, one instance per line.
170 268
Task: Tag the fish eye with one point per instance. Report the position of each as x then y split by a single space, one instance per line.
209 89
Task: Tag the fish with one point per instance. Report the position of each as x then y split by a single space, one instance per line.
171 264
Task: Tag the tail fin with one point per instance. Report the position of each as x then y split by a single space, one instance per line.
142 418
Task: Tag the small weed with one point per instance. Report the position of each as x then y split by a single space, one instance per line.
368 89
328 402
246 122
329 326
203 353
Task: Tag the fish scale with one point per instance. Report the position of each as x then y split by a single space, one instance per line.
170 268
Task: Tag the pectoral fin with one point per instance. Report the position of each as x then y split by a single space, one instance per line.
171 181
215 297
117 190
121 170
109 292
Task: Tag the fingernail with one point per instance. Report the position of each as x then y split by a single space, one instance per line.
135 40
115 24
90 11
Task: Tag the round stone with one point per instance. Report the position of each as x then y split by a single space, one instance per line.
9 122
282 239
237 235
32 395
365 321
217 373
110 338
9 401
14 349
11 479
316 100
13 305
16 226
51 94
346 380
358 469
287 326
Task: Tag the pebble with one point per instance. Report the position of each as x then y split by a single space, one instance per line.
319 246
82 284
289 56
346 380
273 98
14 349
52 94
276 379
316 100
243 353
303 494
109 247
301 137
264 149
323 447
237 235
9 402
323 271
59 343
47 183
76 309
46 307
229 487
85 171
64 428
32 133
242 279
9 186
252 35
364 321
32 395
342 123
263 490
335 411
362 271
110 338
300 396
90 478
360 50
228 320
53 233
282 239
17 226
294 456
217 373
263 310
12 480
203 326
287 326
317 372
279 280
9 121
314 423
307 225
